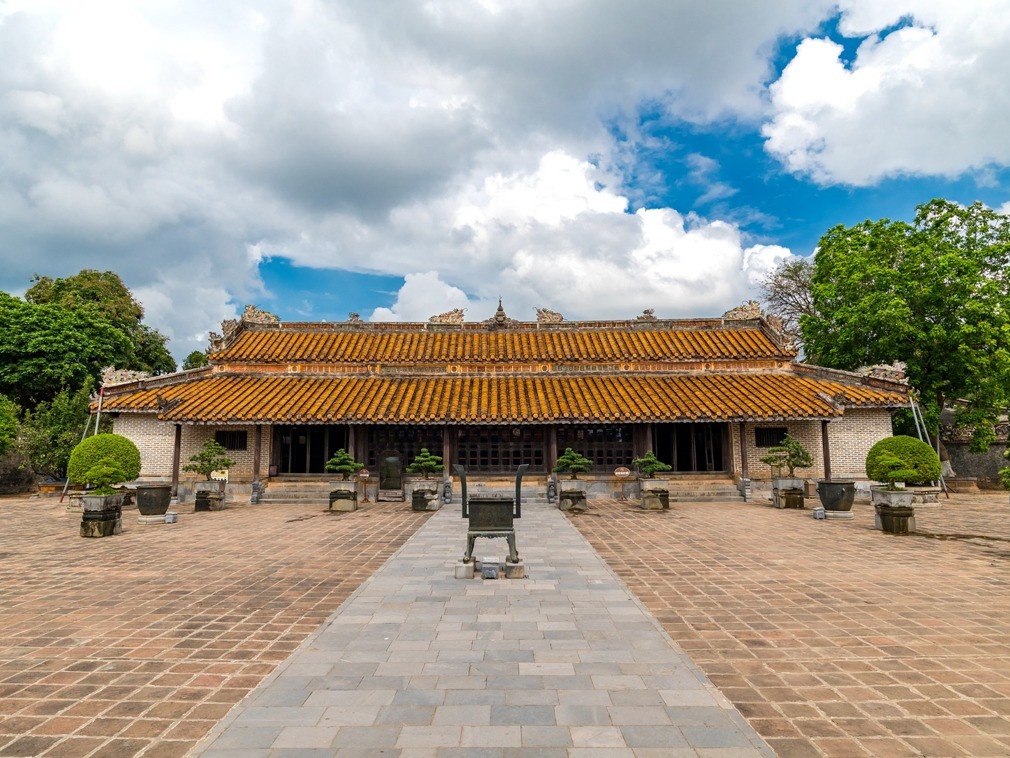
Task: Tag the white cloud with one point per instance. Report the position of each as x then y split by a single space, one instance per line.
925 99
420 297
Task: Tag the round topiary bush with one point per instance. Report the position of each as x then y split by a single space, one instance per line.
93 450
902 458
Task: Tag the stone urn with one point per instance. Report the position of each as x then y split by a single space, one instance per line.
153 499
836 495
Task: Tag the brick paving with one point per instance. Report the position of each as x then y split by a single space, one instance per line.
138 644
832 638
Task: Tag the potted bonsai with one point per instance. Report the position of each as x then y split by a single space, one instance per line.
573 491
210 458
424 493
343 492
897 460
655 493
789 455
101 461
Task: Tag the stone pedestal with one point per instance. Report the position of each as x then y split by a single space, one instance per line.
209 501
655 500
343 500
515 570
104 523
572 500
425 500
464 570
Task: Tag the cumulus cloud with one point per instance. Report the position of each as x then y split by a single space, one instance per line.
924 94
477 149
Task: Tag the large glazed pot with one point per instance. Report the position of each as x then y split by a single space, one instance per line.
153 499
836 495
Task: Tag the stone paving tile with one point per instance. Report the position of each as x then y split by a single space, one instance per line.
562 662
136 645
832 638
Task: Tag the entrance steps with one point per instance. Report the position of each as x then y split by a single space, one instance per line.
703 488
303 490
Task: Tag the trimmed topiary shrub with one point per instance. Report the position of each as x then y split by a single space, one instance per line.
95 450
211 457
425 463
650 465
788 454
572 462
342 463
902 459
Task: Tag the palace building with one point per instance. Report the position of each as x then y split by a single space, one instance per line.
705 395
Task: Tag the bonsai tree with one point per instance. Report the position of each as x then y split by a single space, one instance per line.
342 463
425 463
104 449
650 465
902 459
573 462
212 457
788 454
103 475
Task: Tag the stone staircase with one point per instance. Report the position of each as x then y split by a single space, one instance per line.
704 488
305 490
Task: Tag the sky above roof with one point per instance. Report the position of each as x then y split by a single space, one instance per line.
400 159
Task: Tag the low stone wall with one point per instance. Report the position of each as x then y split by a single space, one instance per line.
984 467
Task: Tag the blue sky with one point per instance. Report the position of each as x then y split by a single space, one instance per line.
402 159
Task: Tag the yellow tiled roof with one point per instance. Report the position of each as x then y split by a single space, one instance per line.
288 346
251 398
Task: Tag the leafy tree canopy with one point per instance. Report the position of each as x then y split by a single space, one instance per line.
103 294
46 348
196 359
51 430
9 413
934 294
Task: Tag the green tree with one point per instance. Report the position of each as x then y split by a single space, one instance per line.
572 462
787 295
425 463
196 359
50 431
9 420
210 458
934 294
46 348
103 294
342 463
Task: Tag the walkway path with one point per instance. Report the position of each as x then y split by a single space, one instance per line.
417 663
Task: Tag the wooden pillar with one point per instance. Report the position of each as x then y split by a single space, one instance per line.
176 457
446 454
827 449
351 442
552 448
257 452
744 467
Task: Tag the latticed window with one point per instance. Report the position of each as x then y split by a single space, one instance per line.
769 436
607 446
492 449
406 440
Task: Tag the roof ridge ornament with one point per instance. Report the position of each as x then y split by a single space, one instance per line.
500 320
455 316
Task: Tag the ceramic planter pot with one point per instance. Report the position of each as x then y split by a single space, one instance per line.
153 499
836 495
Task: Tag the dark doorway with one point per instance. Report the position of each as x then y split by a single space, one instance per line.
305 448
691 447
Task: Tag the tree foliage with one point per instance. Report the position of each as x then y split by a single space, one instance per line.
572 462
9 419
103 295
46 348
99 449
650 465
50 431
210 458
343 463
902 459
196 359
934 294
425 463
788 454
787 295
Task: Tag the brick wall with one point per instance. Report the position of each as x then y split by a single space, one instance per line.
156 441
849 438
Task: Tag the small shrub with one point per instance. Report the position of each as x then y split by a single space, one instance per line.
342 463
99 448
212 457
789 454
1004 473
572 462
103 475
902 459
425 463
650 465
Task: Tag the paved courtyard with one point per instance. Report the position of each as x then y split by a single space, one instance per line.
829 637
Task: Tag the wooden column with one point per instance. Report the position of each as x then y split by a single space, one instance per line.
744 466
351 441
257 452
552 449
827 449
446 454
176 457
